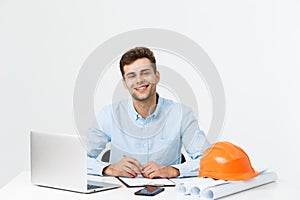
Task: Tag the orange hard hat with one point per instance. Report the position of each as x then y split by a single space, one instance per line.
226 161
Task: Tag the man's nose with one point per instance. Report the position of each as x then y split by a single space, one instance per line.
139 79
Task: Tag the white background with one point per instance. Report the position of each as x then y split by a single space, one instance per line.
254 44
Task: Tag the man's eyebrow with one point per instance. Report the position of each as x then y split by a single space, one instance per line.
145 70
133 73
130 73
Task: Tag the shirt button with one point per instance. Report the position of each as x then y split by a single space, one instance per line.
145 145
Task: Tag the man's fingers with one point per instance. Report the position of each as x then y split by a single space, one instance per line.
147 169
146 173
151 166
154 174
165 172
134 162
127 174
119 170
124 170
132 168
128 170
134 165
130 165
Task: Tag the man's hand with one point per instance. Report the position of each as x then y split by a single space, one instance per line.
152 170
127 166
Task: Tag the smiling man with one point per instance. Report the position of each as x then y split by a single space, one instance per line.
140 79
146 132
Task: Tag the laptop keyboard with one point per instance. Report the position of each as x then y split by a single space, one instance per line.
91 187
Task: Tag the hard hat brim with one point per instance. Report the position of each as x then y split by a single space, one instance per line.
228 177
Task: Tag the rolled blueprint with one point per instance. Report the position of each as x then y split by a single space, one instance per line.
197 185
218 191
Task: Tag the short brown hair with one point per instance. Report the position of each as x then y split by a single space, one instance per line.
134 54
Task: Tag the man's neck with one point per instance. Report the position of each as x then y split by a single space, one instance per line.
146 107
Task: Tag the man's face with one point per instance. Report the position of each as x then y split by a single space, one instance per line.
140 79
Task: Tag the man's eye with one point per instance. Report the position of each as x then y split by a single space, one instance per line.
145 73
130 76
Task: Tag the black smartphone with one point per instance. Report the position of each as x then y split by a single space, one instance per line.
149 191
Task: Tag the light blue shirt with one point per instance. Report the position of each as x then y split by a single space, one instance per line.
157 138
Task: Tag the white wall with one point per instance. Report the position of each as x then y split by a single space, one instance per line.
255 46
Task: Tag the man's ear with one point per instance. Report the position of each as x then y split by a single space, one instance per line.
157 75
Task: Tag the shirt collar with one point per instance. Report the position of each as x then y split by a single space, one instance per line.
135 115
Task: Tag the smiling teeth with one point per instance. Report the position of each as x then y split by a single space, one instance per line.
140 88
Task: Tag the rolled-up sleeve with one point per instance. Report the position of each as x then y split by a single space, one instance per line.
97 138
95 167
194 141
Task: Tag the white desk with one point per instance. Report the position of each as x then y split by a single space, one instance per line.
21 188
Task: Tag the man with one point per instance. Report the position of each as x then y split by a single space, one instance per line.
146 132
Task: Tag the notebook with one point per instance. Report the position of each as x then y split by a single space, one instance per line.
60 161
140 181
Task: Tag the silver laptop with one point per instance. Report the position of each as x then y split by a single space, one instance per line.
60 161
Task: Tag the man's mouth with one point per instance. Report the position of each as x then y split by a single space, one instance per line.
141 88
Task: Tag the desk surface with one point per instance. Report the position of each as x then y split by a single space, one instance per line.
21 188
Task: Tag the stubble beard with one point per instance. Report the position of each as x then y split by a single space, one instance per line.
144 99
